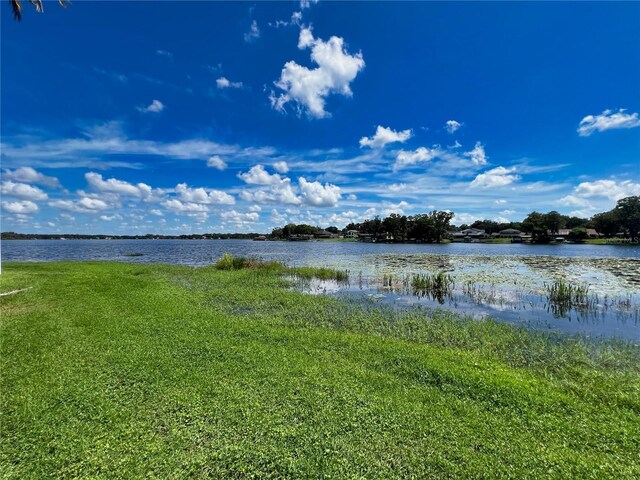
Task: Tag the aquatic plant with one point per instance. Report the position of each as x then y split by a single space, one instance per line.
563 296
439 286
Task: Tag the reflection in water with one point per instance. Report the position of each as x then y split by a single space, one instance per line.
561 306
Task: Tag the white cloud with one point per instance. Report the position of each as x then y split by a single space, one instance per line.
177 206
21 207
422 154
204 196
164 53
29 175
216 162
307 3
156 106
496 177
281 167
119 187
223 82
238 218
574 201
385 136
308 88
110 218
500 201
23 191
314 193
84 205
451 126
278 193
610 189
253 33
257 175
156 212
478 155
607 120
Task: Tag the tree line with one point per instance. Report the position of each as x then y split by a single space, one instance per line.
433 227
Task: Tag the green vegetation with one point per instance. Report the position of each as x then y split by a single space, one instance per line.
437 285
131 371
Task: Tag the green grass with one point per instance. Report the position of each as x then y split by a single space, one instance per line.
151 371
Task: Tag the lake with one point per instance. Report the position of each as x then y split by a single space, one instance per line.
509 282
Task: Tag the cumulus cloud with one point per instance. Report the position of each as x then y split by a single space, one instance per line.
238 218
216 162
314 193
277 193
177 206
281 167
204 196
223 82
478 155
119 187
611 189
451 126
496 177
29 175
156 106
23 191
253 33
110 218
405 158
84 205
22 207
385 136
257 175
309 88
607 120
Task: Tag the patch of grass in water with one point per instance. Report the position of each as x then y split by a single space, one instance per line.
438 286
229 262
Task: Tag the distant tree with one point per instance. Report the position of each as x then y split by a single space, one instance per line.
536 225
397 226
606 223
441 222
573 222
553 222
488 226
277 233
372 226
16 6
628 212
332 229
578 234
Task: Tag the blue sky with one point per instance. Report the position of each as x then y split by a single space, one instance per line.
159 117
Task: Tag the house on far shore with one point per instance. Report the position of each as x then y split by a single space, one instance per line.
509 233
324 234
563 234
300 238
367 237
470 235
351 234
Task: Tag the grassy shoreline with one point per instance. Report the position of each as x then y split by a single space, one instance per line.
124 370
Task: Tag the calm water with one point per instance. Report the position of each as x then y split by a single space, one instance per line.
504 281
204 252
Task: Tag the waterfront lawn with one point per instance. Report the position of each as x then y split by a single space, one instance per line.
129 371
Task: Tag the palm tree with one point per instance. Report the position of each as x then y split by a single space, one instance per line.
16 6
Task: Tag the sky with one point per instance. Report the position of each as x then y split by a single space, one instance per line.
193 117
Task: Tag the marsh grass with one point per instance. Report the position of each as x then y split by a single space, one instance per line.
564 296
157 371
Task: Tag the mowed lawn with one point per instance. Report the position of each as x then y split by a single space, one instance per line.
152 371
